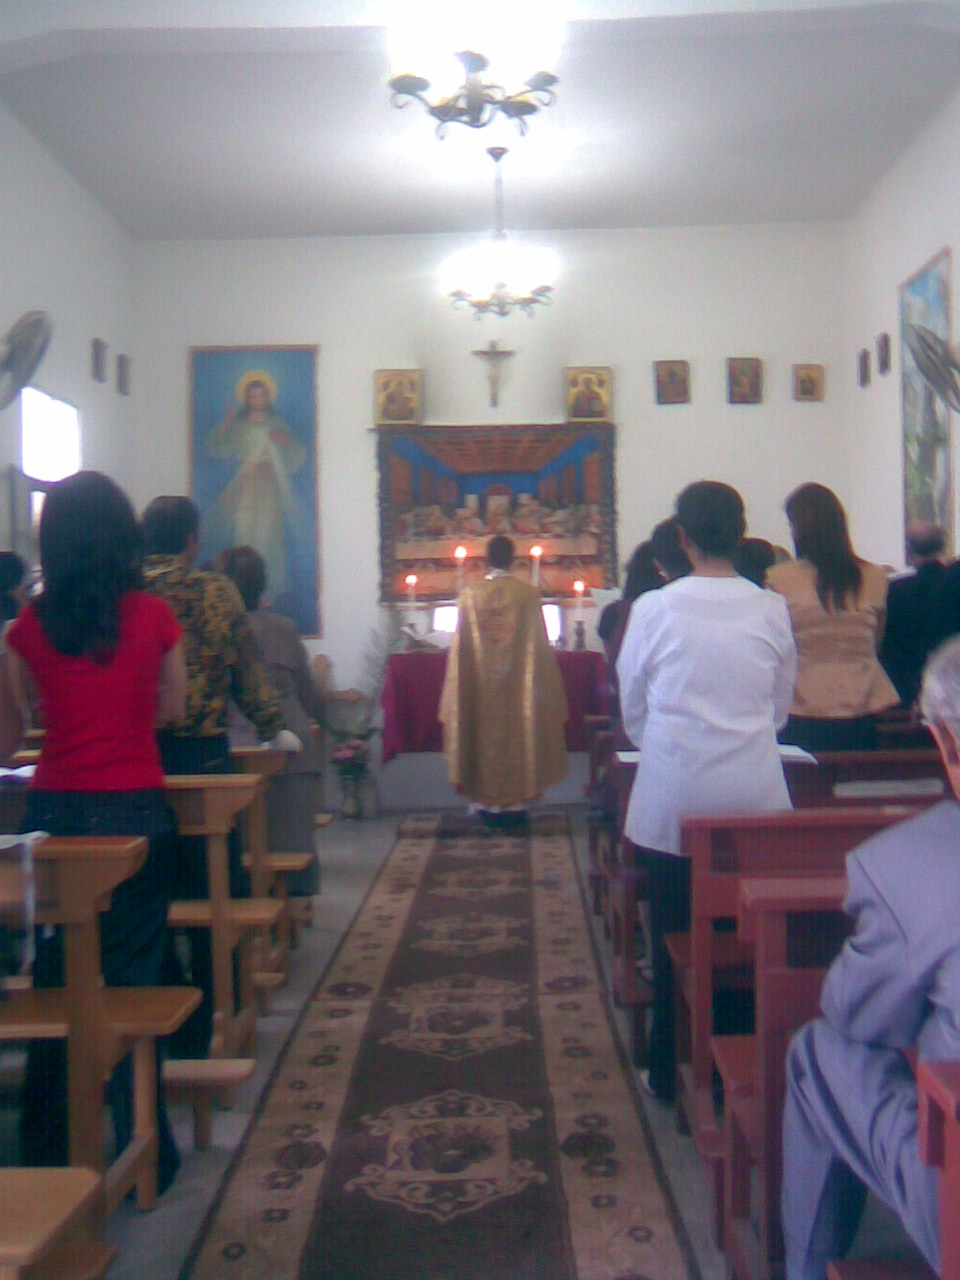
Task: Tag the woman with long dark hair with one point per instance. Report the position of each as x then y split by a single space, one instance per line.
104 662
837 606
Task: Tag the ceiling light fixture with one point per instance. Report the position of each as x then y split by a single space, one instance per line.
498 276
476 103
468 87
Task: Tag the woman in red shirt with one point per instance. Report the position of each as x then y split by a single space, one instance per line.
103 662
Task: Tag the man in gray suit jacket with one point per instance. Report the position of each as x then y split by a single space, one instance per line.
850 1121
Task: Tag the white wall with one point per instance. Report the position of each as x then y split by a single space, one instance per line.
911 215
625 299
61 252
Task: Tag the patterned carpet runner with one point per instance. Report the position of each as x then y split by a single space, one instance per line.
452 1104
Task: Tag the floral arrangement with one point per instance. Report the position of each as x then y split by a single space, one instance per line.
350 757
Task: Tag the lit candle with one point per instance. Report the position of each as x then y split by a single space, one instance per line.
579 587
535 554
411 581
460 556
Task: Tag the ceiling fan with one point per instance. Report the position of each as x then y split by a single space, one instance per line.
21 351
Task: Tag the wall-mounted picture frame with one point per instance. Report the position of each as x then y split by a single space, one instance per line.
883 353
808 382
671 381
253 466
928 463
398 397
98 360
863 367
744 380
588 393
123 375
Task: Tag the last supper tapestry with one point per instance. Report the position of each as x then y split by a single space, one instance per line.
449 488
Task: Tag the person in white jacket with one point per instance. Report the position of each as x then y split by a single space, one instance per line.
706 674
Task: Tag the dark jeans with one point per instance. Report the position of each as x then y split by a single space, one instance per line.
132 943
189 881
856 734
668 886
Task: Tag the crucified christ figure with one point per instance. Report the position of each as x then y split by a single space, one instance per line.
493 355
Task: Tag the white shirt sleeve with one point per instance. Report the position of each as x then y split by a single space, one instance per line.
786 673
632 670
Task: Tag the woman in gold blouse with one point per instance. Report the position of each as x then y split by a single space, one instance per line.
837 606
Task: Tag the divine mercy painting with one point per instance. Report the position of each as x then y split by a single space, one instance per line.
253 452
549 488
927 452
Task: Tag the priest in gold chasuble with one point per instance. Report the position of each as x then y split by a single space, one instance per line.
503 706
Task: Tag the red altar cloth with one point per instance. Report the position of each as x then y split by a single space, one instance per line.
411 699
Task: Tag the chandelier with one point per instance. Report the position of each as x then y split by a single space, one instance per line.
518 35
498 276
476 103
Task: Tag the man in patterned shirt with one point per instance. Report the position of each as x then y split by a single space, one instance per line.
222 663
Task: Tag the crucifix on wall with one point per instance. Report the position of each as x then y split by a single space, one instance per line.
494 355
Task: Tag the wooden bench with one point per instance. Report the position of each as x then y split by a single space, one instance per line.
789 967
600 745
938 1096
51 1224
199 1082
268 871
208 805
73 880
623 884
885 776
722 850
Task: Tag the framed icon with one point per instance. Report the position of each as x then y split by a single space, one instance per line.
808 382
744 380
397 395
672 381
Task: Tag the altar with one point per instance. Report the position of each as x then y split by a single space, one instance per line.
414 682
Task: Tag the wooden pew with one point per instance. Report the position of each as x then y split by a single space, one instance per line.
600 745
208 805
268 871
884 777
938 1095
623 884
73 881
51 1223
938 1087
787 982
723 849
904 777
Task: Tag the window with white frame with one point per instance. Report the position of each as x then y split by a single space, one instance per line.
49 436
49 440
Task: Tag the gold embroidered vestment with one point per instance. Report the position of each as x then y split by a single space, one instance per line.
503 706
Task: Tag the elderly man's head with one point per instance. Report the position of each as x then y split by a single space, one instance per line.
940 705
925 542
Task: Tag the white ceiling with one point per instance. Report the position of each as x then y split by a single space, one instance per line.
248 118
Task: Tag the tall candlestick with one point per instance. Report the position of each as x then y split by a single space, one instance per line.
411 584
460 555
579 587
535 554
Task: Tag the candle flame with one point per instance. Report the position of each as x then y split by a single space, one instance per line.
411 579
579 586
461 553
537 551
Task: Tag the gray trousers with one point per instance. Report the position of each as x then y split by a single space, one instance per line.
850 1123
